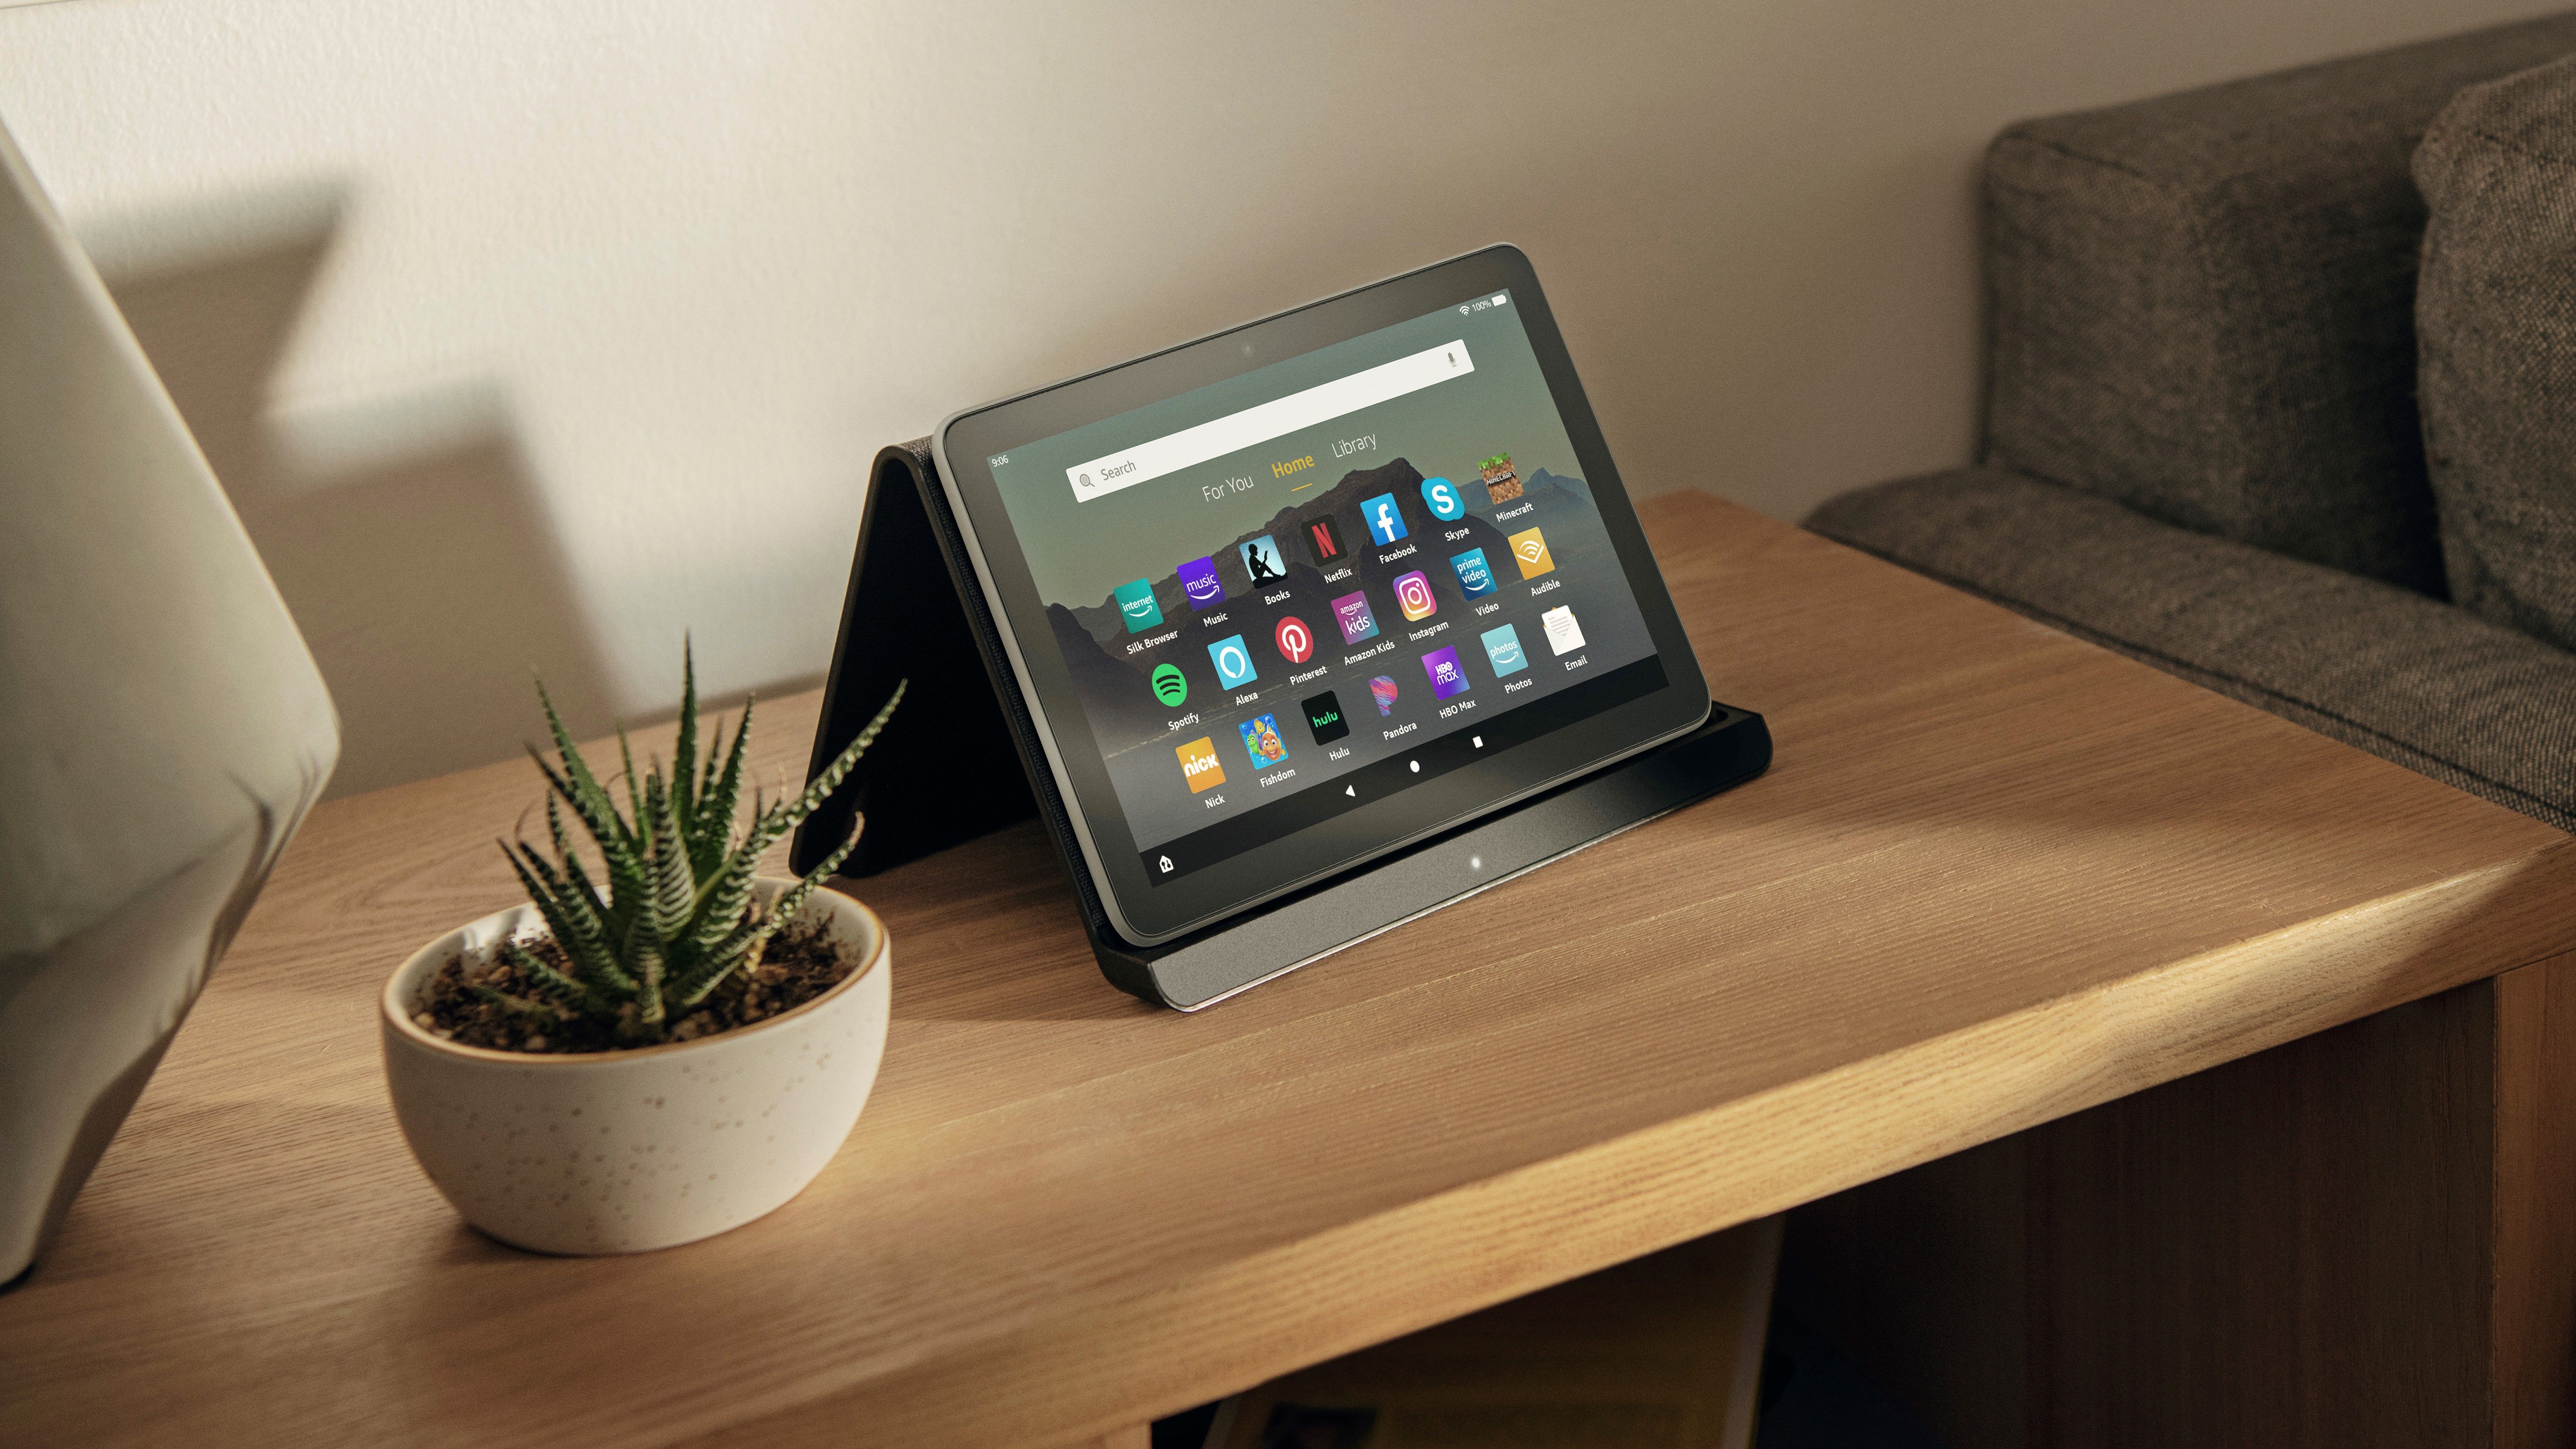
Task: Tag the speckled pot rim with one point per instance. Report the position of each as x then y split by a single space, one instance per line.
411 1030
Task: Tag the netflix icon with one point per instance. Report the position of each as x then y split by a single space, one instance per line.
1323 540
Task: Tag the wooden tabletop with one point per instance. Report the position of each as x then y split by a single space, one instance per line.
1995 875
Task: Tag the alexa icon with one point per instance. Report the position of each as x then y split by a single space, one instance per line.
1233 661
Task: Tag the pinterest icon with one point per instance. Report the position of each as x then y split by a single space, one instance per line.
1296 640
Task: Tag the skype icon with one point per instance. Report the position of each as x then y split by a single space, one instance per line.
1441 497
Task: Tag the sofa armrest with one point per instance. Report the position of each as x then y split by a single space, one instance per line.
2202 305
2408 678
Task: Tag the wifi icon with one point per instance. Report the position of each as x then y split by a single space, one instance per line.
1169 686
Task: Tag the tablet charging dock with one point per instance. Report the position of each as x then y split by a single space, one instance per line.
930 781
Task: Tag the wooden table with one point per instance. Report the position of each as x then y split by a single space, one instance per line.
1996 876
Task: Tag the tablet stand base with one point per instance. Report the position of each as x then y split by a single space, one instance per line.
929 782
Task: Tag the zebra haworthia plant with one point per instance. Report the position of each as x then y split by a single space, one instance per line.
677 916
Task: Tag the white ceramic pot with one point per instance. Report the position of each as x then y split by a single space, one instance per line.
619 1152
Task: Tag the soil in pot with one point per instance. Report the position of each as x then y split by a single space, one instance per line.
799 964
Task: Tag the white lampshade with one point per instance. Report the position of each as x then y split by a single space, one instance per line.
162 728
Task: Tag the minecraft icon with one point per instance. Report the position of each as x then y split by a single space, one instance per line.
1501 483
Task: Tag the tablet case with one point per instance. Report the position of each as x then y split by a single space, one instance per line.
914 611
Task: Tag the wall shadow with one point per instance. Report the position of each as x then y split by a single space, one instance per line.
425 575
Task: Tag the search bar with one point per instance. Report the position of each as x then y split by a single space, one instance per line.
1256 425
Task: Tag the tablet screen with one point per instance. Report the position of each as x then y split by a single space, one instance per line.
1317 586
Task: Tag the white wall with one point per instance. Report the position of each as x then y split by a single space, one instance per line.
533 334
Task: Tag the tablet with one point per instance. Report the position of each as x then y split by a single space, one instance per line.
1295 595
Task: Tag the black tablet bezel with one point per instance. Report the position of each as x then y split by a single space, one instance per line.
1148 914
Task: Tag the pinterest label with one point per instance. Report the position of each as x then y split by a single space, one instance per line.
1296 641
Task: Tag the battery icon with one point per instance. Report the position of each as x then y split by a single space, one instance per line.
1500 298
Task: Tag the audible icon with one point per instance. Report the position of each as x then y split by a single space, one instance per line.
1199 764
1169 686
1529 550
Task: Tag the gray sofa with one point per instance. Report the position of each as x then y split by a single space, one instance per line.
2201 442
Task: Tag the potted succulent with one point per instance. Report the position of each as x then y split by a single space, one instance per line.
660 1044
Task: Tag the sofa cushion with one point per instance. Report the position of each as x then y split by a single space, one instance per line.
2410 679
2496 320
2201 305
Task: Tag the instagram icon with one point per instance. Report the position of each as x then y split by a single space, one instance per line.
1413 595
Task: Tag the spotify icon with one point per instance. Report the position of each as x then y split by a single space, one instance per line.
1169 686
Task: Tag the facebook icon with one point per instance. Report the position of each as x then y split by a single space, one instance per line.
1385 525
